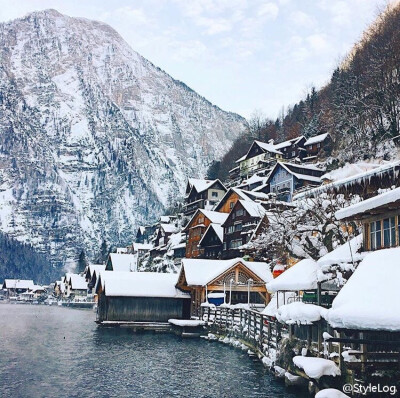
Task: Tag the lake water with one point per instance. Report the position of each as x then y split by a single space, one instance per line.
61 352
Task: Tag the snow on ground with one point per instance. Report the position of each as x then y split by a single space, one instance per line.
301 276
272 307
315 368
300 313
186 322
370 299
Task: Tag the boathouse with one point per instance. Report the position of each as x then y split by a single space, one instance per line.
140 297
234 278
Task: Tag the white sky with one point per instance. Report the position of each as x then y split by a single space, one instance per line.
241 55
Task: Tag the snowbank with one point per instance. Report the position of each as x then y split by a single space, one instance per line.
330 393
371 297
301 276
300 313
315 368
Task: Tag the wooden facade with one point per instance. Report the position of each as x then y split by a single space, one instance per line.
202 195
293 148
235 279
323 145
141 309
212 242
195 231
238 229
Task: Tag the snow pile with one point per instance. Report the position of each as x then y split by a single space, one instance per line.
300 313
349 170
370 298
277 300
330 393
315 368
301 276
372 203
186 322
342 259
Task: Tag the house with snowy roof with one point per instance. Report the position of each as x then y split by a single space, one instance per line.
225 205
211 243
260 156
239 226
197 226
140 297
293 148
76 286
234 278
92 273
365 312
121 262
286 178
365 181
318 145
202 194
17 286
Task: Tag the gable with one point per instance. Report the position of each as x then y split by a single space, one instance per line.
224 205
240 275
254 150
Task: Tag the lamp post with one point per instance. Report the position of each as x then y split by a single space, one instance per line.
230 291
248 291
224 292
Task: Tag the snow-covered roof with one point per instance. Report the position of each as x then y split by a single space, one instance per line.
142 246
169 228
253 208
301 276
349 170
202 185
316 139
370 298
96 268
217 228
78 282
199 272
369 204
351 180
141 284
18 284
122 262
214 216
287 143
300 313
268 147
122 250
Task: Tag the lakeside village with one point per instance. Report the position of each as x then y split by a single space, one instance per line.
295 264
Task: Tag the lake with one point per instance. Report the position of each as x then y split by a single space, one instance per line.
61 352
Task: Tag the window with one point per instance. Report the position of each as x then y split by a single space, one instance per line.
231 204
238 227
375 235
234 244
389 232
319 145
214 194
230 229
294 153
239 212
200 220
224 245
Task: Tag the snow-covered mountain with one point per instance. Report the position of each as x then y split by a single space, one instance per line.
94 139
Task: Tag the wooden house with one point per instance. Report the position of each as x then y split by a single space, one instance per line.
196 228
286 178
318 145
233 195
163 233
293 148
91 275
235 278
202 194
140 297
365 313
77 286
380 217
121 262
211 243
260 156
240 225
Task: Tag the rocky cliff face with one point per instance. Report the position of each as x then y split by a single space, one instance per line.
94 139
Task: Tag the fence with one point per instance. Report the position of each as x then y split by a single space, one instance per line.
258 330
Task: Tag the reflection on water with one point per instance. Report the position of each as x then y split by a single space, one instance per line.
55 351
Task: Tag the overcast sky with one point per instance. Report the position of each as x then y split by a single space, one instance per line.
241 55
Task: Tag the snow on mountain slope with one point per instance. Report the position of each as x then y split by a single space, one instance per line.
94 139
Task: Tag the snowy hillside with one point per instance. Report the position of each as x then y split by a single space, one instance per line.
94 139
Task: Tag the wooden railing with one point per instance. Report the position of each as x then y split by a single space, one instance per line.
258 330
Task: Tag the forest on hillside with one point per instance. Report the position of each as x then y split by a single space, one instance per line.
359 107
